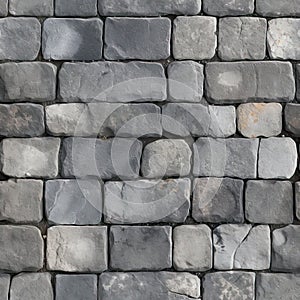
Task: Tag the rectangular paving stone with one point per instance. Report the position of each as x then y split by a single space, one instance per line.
297 196
76 8
292 118
31 7
3 10
228 8
4 286
274 8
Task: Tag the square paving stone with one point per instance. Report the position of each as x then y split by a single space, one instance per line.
76 8
37 8
228 8
4 286
292 118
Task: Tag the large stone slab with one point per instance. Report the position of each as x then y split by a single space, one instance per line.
274 8
228 8
292 118
31 7
76 8
4 286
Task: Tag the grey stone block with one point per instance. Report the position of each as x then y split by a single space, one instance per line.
298 82
239 82
77 249
72 39
3 10
21 200
76 8
140 247
4 286
34 157
137 38
21 248
292 118
194 37
147 201
297 196
31 7
271 162
228 8
218 200
274 8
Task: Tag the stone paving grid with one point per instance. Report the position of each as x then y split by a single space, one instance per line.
204 100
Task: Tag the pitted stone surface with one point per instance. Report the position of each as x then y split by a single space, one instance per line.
228 8
274 8
3 10
292 118
76 8
31 7
4 286
297 196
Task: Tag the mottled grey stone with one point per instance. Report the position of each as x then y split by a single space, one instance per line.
274 8
4 286
34 157
112 82
147 285
76 8
150 42
147 201
3 10
241 246
21 200
238 82
192 249
76 202
194 37
272 163
21 248
225 157
228 8
31 286
285 249
105 159
218 200
76 287
259 119
242 38
72 39
77 249
27 81
297 196
292 118
31 7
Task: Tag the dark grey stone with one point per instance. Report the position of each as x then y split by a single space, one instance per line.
292 118
274 8
228 8
297 196
298 82
3 10
37 8
4 286
76 8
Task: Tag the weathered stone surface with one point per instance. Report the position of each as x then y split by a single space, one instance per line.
77 249
285 249
21 248
21 201
73 201
271 162
241 246
197 257
31 286
194 37
297 196
140 247
76 287
238 82
72 39
274 8
147 285
76 8
112 82
225 157
242 38
228 8
4 286
27 81
292 118
166 158
3 10
106 159
218 200
34 157
147 201
298 82
31 7
150 42
259 119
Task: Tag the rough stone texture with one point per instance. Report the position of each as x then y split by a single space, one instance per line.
31 7
259 119
147 285
31 286
145 201
242 38
76 8
27 81
272 164
218 200
225 157
194 37
4 286
34 157
249 81
297 196
285 249
3 10
140 248
228 8
77 202
298 82
77 249
242 246
21 201
274 8
166 158
112 82
292 118
21 248
192 248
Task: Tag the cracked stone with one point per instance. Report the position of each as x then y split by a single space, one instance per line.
292 118
76 8
297 196
228 8
4 286
31 7
3 10
274 8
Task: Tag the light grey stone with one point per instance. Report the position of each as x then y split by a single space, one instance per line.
194 37
292 118
218 200
277 158
72 39
297 196
228 8
192 250
34 157
147 201
140 247
237 82
4 286
21 200
76 8
31 286
31 7
274 8
77 249
3 10
21 248
112 82
27 81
